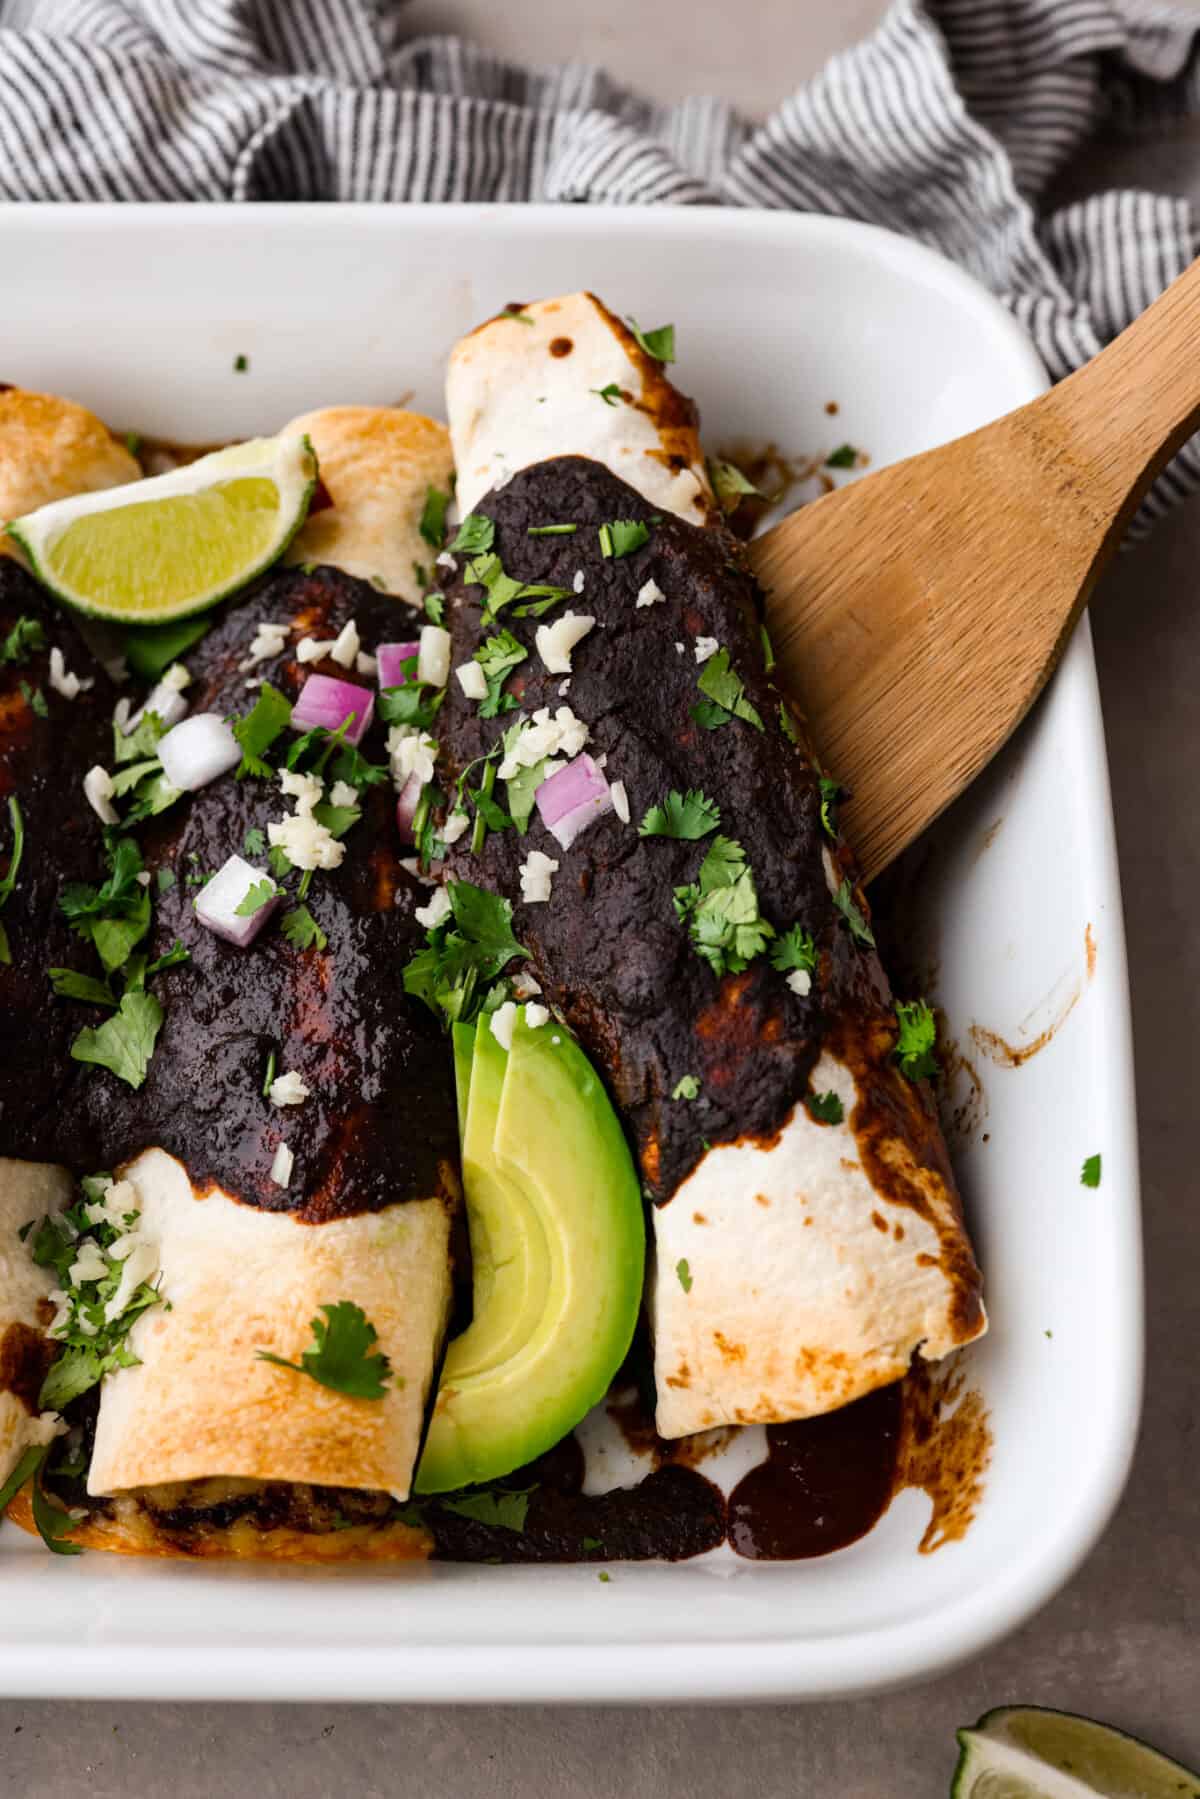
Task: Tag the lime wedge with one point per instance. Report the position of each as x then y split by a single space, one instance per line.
160 549
1025 1752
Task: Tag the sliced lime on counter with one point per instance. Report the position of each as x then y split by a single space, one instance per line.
1027 1752
161 549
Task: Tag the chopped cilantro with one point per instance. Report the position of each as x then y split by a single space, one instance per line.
9 880
139 744
1090 1175
132 441
464 953
688 1087
794 949
164 879
621 536
68 984
688 816
915 1044
174 956
826 1108
729 484
433 517
414 702
831 793
684 1275
258 895
270 715
24 640
487 572
35 699
54 1526
241 364
116 916
254 843
269 1076
475 535
336 819
787 724
25 1469
498 655
610 394
604 1575
125 1042
302 930
723 686
551 530
342 1357
500 1508
846 904
351 766
845 456
721 910
435 608
589 1544
516 314
768 650
659 343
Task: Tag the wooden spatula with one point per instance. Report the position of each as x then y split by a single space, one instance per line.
917 613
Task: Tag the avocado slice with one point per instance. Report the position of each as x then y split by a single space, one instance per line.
558 1245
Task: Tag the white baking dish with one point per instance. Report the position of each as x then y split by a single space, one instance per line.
140 313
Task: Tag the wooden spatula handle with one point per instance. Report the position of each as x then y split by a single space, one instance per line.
1110 428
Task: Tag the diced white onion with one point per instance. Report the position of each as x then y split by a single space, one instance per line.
649 594
97 789
502 1021
437 909
218 900
281 1167
288 1089
346 644
536 871
800 981
620 801
555 642
472 680
198 750
433 658
705 647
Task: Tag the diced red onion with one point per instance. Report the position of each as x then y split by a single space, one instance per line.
198 750
572 799
391 658
328 702
218 900
406 807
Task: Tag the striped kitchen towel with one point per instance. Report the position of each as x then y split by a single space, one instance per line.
950 123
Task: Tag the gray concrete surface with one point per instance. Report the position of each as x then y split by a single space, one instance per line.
1121 1642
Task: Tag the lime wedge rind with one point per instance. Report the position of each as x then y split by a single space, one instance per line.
1032 1752
163 549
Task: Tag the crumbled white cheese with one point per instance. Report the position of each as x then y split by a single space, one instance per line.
305 789
577 583
63 681
90 1264
143 878
139 1262
649 594
456 826
564 688
281 1167
97 789
119 1203
177 677
346 644
314 649
288 1089
536 1017
679 649
800 981
555 642
444 559
366 665
620 800
305 843
564 735
502 1021
412 866
472 680
342 794
524 985
268 640
536 871
411 752
253 682
705 647
433 657
437 909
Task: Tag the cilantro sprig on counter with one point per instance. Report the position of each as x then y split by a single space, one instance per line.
343 1356
724 695
687 816
721 911
845 456
464 954
917 1040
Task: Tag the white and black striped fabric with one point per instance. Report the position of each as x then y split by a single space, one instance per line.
949 123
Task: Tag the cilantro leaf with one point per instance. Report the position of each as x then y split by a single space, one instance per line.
683 1274
68 984
687 1087
794 949
831 793
621 536
610 393
710 715
351 766
724 687
342 1356
688 816
8 881
336 819
915 1044
302 930
728 483
25 1469
270 715
164 879
721 910
493 814
476 534
500 1508
659 343
1090 1175
140 743
846 904
132 773
35 699
551 530
464 953
498 655
787 724
257 895
435 608
414 703
826 1108
254 843
174 956
125 1042
845 456
116 937
433 517
24 640
768 650
54 1526
502 589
